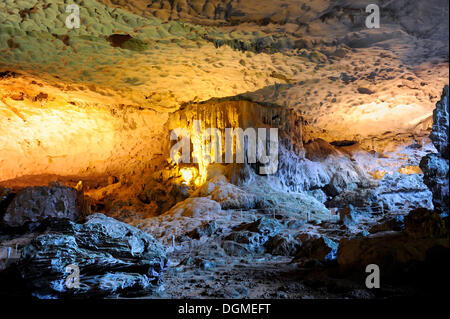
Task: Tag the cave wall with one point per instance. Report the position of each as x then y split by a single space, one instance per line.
65 139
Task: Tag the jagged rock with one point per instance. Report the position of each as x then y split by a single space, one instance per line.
283 245
33 205
435 169
348 216
251 237
227 195
113 258
439 134
195 207
396 223
315 246
392 251
362 199
182 219
265 226
6 197
436 166
424 223
424 232
402 191
165 189
395 192
206 229
318 194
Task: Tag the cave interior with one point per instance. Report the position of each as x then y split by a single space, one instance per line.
223 149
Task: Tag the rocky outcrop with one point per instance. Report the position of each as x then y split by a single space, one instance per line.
113 258
396 251
395 192
33 205
251 237
181 220
423 223
301 165
165 188
348 216
439 135
227 195
6 197
315 246
283 245
435 166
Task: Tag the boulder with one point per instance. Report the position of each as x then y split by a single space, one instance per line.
113 258
205 229
6 197
363 199
318 194
33 205
251 237
348 216
316 246
423 223
403 192
194 207
264 226
283 245
395 192
395 251
181 220
394 222
245 241
165 188
229 196
436 166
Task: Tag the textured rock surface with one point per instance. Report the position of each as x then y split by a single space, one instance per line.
6 196
316 247
250 238
396 251
113 258
283 244
394 192
436 166
439 135
352 106
423 223
228 195
33 205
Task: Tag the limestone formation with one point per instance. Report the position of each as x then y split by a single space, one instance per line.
110 257
395 251
268 148
436 166
33 205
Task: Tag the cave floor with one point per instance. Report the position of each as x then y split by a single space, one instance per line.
264 276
